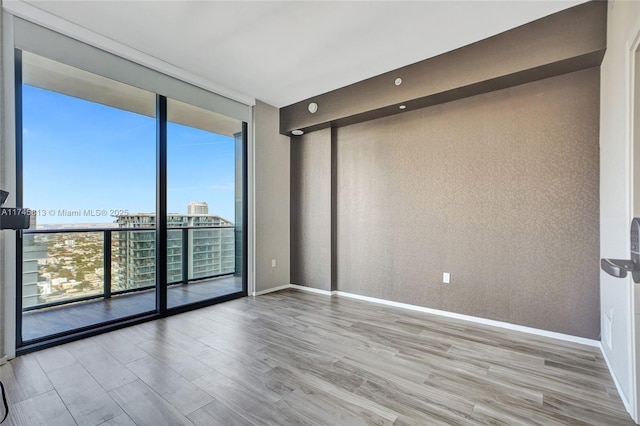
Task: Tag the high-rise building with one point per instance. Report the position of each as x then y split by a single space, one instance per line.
197 207
209 249
32 252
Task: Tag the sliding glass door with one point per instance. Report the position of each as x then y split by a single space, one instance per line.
91 175
202 182
88 160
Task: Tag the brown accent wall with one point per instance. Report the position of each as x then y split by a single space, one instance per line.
499 189
311 210
564 42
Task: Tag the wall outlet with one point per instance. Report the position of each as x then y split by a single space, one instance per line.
273 263
446 277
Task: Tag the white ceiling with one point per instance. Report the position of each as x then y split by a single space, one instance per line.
282 52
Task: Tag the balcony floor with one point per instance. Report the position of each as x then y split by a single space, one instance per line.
48 321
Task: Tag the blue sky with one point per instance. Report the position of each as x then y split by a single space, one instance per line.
79 155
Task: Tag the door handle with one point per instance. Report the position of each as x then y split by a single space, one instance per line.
617 267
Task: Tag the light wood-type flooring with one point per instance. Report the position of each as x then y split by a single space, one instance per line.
296 358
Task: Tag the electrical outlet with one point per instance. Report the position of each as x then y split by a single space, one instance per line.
446 277
273 263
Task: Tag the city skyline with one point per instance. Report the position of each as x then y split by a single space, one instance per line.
63 266
81 156
70 214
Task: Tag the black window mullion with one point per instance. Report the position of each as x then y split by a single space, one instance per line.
19 188
161 204
245 208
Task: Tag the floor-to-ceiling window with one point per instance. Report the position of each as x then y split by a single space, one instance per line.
95 171
88 161
202 183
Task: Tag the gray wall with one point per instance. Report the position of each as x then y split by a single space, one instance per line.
311 210
500 190
272 190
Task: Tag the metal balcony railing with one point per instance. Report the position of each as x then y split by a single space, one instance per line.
69 265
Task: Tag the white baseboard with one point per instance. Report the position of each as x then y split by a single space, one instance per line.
4 360
623 397
477 320
297 287
270 290
312 290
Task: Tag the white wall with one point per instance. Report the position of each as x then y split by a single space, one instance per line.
616 296
2 185
272 199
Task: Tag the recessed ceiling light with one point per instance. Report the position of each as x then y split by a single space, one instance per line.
313 107
398 81
297 132
402 106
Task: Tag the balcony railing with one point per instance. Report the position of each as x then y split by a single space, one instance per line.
68 265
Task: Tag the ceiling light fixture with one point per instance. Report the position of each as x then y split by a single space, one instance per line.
402 106
297 132
398 81
313 107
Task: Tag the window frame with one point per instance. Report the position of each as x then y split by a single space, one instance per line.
57 48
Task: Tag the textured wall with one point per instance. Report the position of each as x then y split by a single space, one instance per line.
272 195
500 190
311 210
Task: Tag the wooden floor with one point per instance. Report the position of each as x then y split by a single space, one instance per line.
46 322
295 358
